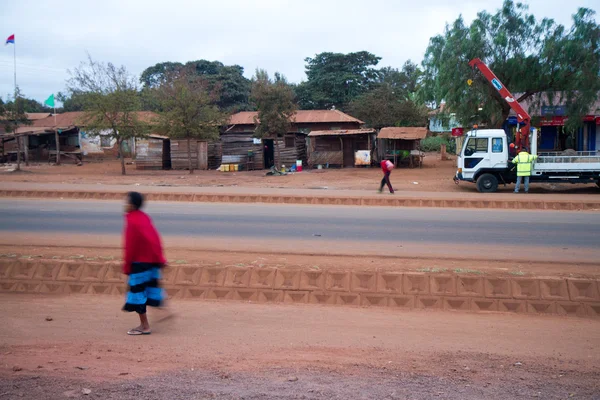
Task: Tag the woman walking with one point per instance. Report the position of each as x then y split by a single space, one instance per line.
143 261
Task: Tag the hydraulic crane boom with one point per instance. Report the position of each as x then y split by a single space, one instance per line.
523 118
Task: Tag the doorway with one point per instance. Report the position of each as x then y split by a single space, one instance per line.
348 149
268 153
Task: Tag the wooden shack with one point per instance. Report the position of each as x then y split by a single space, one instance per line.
241 147
401 144
161 152
39 144
205 154
153 152
338 147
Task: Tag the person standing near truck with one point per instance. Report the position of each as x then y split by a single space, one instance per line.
524 162
386 166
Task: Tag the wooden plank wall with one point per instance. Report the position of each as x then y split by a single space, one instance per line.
179 156
149 154
324 157
235 147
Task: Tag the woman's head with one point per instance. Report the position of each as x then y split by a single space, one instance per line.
134 202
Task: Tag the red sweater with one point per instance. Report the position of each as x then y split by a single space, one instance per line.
142 242
384 166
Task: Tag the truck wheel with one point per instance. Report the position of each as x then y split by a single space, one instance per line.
487 183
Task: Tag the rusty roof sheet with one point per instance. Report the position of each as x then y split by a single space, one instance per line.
78 118
403 133
28 130
301 117
341 132
36 116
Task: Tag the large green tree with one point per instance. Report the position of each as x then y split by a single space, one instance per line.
71 101
227 80
189 110
276 105
335 79
383 107
531 57
393 100
111 102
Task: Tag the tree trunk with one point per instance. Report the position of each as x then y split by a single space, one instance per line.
18 139
120 146
26 150
57 146
278 163
189 149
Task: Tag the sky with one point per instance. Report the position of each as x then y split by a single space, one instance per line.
277 35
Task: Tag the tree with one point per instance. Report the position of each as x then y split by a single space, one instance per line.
274 99
12 114
189 110
335 79
530 57
32 106
383 107
392 102
71 101
110 100
405 82
228 81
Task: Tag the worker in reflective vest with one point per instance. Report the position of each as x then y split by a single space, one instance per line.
524 162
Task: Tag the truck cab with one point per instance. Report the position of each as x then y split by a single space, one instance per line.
484 159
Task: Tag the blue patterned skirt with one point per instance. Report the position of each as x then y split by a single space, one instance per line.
144 289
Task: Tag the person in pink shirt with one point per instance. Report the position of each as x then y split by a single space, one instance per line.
386 166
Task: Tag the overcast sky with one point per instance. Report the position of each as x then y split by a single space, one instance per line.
53 36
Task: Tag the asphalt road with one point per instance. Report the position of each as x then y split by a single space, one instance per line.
320 228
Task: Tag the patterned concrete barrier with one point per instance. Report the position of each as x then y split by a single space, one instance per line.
573 205
402 290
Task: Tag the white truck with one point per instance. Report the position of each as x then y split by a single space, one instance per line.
484 160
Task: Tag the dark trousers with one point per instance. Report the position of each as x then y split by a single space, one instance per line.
386 181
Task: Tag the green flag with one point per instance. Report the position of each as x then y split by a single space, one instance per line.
50 101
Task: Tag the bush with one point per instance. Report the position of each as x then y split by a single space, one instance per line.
434 144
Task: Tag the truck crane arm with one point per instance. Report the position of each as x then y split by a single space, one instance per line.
523 118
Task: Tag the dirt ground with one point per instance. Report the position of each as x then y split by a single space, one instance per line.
434 176
59 347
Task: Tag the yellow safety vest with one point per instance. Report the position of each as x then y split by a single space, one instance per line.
524 163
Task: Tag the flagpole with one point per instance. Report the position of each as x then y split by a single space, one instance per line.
15 58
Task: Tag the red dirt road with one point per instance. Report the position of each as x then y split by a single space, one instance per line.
237 350
435 176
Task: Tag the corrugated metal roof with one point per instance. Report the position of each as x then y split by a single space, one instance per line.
27 130
341 132
301 117
36 116
78 118
404 133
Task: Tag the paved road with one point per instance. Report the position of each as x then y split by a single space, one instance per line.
361 230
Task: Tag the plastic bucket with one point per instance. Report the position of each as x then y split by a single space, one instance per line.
299 165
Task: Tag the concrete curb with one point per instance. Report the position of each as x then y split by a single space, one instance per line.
401 290
520 204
